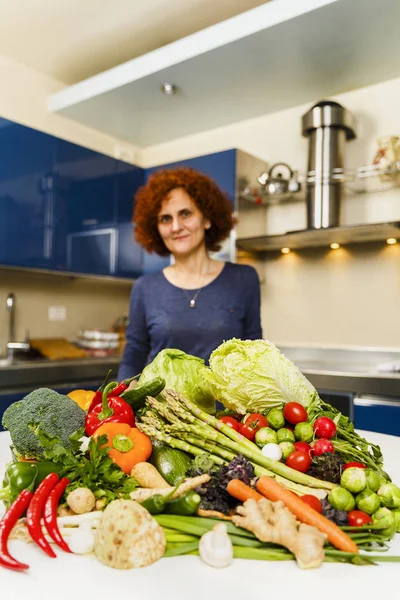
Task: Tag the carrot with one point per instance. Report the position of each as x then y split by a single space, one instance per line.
274 491
241 491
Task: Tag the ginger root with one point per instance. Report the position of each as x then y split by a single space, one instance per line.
273 522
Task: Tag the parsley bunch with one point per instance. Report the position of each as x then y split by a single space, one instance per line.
93 468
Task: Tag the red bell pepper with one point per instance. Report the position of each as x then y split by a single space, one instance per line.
111 410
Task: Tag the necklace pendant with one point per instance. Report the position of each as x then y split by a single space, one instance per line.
192 303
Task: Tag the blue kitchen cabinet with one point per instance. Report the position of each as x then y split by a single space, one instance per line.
377 414
100 202
32 219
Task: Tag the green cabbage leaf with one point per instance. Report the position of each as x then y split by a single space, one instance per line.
183 373
254 376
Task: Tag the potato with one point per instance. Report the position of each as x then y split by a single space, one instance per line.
128 536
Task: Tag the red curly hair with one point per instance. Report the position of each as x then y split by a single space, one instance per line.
209 199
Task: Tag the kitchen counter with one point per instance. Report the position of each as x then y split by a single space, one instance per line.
338 369
32 374
182 577
355 370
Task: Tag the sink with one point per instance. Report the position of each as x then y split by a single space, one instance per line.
6 362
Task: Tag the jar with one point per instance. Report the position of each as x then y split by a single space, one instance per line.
387 154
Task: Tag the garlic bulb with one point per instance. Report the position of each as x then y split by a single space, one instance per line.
215 547
82 540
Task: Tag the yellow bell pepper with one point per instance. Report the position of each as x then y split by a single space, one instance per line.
83 398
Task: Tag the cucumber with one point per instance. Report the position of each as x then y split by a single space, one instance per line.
171 463
137 397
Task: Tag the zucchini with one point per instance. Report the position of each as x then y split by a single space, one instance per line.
137 397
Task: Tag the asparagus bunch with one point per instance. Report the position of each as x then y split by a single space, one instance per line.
182 424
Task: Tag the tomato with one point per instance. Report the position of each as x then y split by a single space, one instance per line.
358 518
312 501
294 412
231 422
256 421
324 427
252 424
304 447
354 464
299 461
322 445
247 431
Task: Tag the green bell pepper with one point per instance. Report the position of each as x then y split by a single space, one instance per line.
20 476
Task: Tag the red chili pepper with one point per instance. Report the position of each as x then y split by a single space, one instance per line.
50 514
99 393
35 513
121 387
111 410
15 511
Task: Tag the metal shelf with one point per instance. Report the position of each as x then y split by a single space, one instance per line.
318 238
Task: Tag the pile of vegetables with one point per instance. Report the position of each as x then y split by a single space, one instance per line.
277 475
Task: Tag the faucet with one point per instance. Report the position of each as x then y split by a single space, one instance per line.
12 345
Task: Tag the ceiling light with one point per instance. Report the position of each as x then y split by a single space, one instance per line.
285 250
169 89
334 245
391 241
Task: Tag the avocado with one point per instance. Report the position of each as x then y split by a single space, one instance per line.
171 463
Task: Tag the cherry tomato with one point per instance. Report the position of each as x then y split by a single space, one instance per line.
322 445
312 501
354 464
324 427
294 412
357 518
304 447
299 461
256 421
231 422
247 431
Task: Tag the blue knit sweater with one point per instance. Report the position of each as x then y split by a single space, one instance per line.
160 316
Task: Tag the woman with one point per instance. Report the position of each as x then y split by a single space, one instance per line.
195 303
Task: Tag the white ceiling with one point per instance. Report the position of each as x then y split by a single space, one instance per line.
75 39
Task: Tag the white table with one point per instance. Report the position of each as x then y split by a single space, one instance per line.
71 577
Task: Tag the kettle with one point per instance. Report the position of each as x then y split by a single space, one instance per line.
274 185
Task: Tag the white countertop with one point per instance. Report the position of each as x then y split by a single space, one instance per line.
71 577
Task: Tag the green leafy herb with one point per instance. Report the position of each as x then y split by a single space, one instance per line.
93 469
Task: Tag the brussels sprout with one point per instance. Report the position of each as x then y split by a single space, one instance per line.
285 435
368 501
396 513
373 480
341 499
287 448
389 495
266 435
354 480
275 418
304 432
386 521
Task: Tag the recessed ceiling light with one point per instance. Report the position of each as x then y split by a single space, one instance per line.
169 89
285 250
334 245
391 241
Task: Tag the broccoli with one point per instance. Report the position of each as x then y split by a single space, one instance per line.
46 410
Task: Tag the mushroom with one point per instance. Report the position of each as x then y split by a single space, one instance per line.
81 500
215 547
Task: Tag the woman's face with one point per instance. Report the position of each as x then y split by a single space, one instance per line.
181 224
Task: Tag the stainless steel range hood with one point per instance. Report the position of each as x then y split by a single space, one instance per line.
314 238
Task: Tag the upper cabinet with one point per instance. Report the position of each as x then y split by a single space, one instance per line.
30 213
64 207
282 54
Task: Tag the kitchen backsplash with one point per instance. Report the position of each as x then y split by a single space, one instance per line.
88 304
